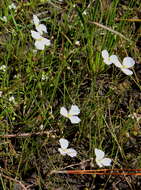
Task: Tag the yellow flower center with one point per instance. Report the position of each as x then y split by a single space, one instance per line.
124 67
69 115
40 39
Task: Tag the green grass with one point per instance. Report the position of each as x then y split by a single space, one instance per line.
75 74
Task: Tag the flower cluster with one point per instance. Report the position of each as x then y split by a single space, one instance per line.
72 115
125 66
40 41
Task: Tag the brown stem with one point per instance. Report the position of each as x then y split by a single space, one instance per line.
15 180
48 133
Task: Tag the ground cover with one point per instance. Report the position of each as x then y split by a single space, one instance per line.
63 66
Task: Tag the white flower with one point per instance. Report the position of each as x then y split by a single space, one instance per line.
100 160
127 63
109 59
71 114
44 76
40 42
39 27
41 126
3 68
77 43
12 99
64 150
84 12
12 6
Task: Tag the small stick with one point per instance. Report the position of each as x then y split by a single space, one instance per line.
129 19
102 172
15 180
109 29
27 134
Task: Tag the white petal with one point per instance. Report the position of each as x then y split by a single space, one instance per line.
98 162
3 68
107 61
46 42
36 20
71 152
128 62
41 28
35 35
114 59
74 119
64 143
64 112
62 151
74 110
105 54
127 71
12 6
99 154
39 45
106 161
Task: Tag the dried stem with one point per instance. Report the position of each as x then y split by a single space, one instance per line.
109 29
136 172
15 180
48 133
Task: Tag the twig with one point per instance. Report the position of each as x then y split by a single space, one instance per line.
109 29
78 164
48 133
15 180
128 19
136 172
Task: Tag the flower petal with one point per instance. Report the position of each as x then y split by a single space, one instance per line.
64 112
35 35
99 154
127 71
71 152
62 152
106 162
105 54
46 42
64 143
74 110
98 162
41 28
128 62
39 45
114 59
74 119
36 20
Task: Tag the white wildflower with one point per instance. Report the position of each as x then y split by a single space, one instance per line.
40 42
39 27
3 68
12 6
64 150
109 59
127 63
71 114
100 158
